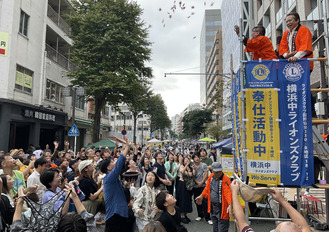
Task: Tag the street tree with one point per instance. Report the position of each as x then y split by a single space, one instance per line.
157 111
194 122
217 132
110 50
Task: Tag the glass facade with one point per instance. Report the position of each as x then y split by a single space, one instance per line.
230 17
211 24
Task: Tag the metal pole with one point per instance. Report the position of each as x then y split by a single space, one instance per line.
242 105
142 133
75 145
325 24
73 114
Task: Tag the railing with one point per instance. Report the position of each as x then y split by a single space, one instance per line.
53 15
59 58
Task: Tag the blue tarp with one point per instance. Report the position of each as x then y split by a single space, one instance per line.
222 143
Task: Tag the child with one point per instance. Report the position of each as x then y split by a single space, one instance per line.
170 217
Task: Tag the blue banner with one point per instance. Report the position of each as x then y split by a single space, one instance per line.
261 74
296 140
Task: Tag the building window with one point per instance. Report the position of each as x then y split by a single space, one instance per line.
80 102
54 92
23 24
24 79
106 111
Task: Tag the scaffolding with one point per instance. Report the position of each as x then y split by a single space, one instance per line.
321 148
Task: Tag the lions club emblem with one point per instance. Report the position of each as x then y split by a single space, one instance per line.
260 72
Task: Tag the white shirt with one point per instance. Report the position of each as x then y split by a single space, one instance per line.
33 179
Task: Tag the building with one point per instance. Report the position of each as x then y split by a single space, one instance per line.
211 24
215 77
175 123
124 120
34 62
231 49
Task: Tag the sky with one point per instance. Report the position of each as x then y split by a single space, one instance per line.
175 38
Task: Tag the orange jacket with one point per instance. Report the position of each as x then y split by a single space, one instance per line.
226 195
261 47
303 42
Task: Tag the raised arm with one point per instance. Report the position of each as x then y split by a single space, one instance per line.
295 216
238 210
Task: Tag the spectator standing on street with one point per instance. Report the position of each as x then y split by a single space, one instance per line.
8 165
170 217
161 170
88 186
187 175
204 158
200 183
39 166
144 203
218 194
171 171
115 200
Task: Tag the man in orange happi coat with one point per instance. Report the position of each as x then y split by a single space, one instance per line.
259 44
296 42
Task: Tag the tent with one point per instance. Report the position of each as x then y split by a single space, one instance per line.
154 141
104 143
222 143
206 139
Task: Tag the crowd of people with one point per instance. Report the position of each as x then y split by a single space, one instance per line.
132 188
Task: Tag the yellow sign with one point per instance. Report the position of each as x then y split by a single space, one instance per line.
28 81
3 43
19 78
227 164
263 142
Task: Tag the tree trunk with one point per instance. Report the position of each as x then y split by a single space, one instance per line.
135 115
99 104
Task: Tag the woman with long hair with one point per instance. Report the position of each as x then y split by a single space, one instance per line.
146 167
144 205
186 183
171 171
7 207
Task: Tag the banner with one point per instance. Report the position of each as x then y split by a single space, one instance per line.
237 121
296 140
3 43
263 142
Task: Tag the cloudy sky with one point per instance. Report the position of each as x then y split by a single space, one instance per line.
176 48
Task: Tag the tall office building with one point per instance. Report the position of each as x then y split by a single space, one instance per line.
211 23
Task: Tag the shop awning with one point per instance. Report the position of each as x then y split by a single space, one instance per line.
222 143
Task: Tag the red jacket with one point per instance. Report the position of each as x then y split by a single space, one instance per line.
303 42
261 47
226 195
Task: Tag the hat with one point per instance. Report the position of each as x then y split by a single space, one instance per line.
84 164
15 152
250 194
72 161
216 167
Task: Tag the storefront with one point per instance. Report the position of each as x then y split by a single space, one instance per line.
23 124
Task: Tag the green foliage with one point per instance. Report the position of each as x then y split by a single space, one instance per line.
217 132
195 120
110 49
157 111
